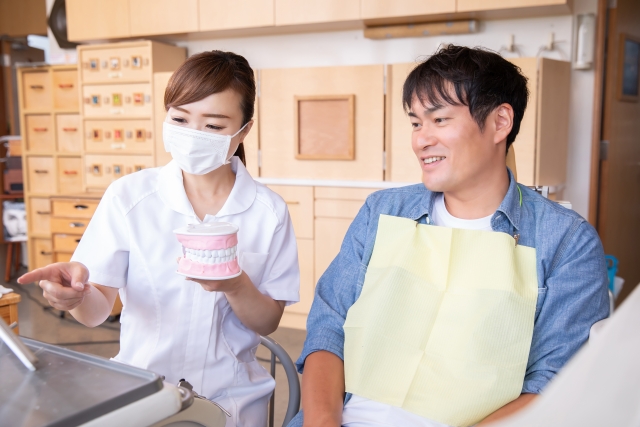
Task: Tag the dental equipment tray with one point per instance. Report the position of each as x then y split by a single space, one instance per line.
68 388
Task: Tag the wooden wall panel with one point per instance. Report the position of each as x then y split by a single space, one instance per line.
279 87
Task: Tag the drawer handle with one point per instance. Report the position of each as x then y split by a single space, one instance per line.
36 87
46 253
81 207
76 224
40 129
41 171
70 129
77 240
291 203
43 212
65 85
70 172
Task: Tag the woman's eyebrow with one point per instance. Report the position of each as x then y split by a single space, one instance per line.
182 109
216 116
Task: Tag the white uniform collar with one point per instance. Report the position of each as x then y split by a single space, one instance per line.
171 190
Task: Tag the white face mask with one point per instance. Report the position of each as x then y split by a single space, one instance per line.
195 151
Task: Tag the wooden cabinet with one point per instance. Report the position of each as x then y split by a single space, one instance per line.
153 17
299 200
41 253
280 90
540 147
41 175
102 170
416 9
40 133
69 175
107 64
65 89
119 136
36 90
226 15
160 81
124 100
74 208
69 133
39 216
541 6
97 19
295 316
296 12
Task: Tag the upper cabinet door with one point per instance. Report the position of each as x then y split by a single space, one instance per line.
377 9
97 19
292 12
151 17
479 5
227 15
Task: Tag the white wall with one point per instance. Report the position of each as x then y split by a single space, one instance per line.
351 48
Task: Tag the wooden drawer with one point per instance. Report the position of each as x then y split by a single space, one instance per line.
343 193
102 170
36 90
65 90
126 100
39 133
68 130
40 171
300 204
76 208
62 256
42 253
115 64
65 242
69 175
119 136
40 215
347 209
68 225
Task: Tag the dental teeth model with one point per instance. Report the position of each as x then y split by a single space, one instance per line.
209 251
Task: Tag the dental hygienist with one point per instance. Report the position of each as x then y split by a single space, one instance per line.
201 330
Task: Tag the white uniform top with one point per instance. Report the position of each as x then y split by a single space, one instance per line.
170 325
362 412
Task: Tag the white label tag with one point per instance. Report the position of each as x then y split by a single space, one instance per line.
115 75
117 110
117 146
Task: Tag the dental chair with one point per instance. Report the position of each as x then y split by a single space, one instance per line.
45 385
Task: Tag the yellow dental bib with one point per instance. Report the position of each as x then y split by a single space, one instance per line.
444 323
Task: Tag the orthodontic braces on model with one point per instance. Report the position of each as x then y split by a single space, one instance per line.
209 251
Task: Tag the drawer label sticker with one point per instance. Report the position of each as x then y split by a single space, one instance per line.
94 64
116 100
138 98
136 62
114 63
95 100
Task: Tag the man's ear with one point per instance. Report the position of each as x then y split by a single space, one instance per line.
503 117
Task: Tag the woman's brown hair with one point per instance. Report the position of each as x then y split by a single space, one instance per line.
212 72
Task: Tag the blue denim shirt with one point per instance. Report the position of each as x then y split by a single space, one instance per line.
572 274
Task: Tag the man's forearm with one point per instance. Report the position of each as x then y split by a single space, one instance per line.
323 390
509 409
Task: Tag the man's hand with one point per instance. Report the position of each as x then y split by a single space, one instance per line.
64 284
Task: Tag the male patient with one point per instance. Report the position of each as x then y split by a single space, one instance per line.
454 302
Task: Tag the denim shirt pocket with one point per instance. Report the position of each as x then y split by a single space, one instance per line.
542 294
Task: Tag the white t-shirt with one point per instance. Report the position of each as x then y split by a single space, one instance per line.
170 325
362 412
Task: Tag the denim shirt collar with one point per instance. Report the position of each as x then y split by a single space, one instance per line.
510 208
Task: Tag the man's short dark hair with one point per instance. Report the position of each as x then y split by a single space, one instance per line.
480 79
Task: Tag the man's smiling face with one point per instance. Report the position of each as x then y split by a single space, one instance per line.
450 146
